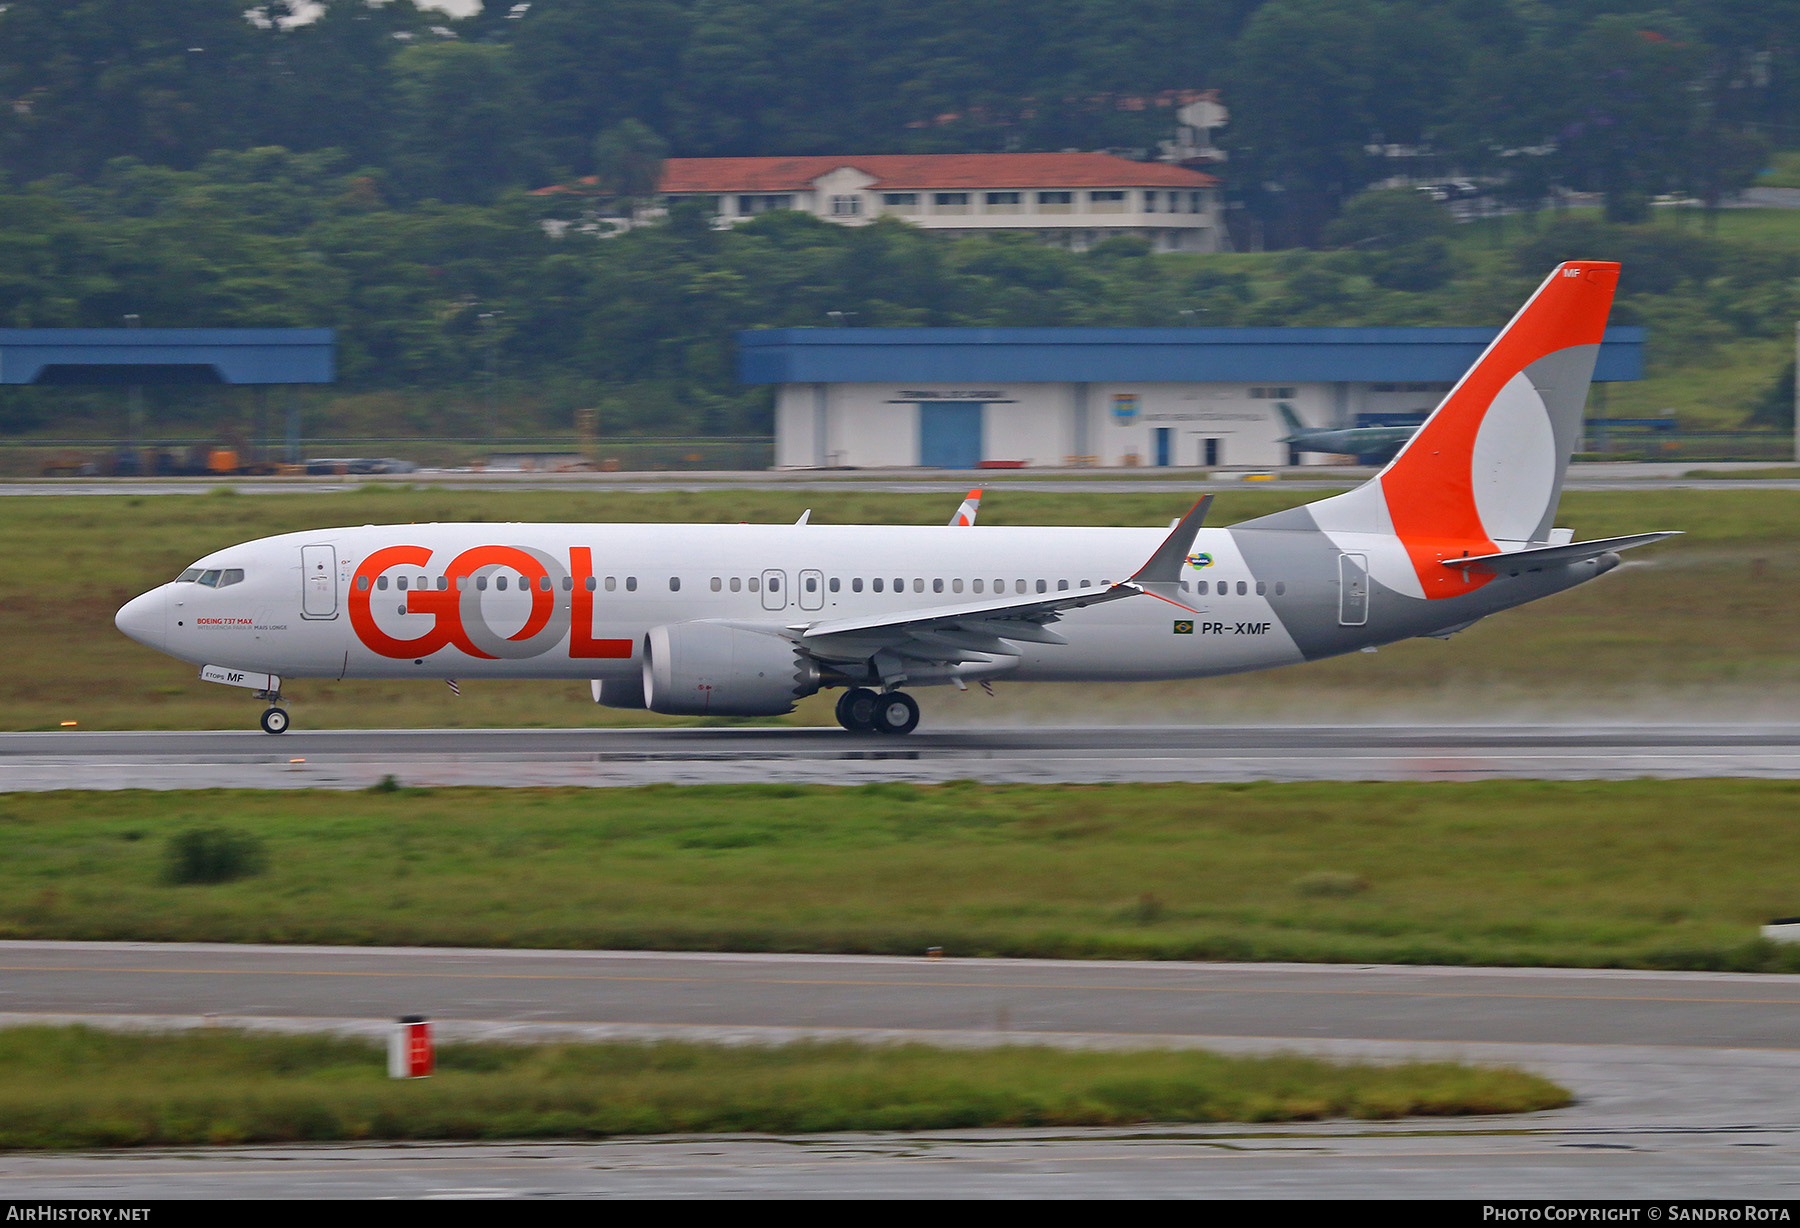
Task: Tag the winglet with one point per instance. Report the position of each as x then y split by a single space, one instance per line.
1160 576
965 515
804 516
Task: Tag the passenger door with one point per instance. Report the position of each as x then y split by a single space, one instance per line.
1353 589
812 590
318 582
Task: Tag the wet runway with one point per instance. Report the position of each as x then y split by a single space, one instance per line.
348 759
1689 1083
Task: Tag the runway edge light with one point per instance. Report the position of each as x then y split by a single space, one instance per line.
410 1054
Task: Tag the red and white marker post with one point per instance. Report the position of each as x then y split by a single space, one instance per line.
409 1048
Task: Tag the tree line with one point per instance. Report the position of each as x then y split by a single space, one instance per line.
1622 97
643 325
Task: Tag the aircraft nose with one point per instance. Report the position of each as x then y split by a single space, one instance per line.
145 618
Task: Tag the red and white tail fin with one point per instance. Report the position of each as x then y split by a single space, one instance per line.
1485 472
965 515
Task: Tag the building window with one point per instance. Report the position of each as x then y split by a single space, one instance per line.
1009 200
1195 202
900 200
846 206
1271 394
1107 202
1150 201
1056 198
950 198
748 205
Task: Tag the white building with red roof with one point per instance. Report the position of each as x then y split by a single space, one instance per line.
1077 199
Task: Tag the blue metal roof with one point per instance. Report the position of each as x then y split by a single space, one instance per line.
1135 355
167 355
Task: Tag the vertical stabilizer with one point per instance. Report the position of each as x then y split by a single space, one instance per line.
1485 471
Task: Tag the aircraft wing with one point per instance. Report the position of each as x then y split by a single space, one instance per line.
1555 556
964 632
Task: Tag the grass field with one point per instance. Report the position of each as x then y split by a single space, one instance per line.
75 1087
1697 626
1660 874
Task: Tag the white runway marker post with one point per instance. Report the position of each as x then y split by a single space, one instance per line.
409 1048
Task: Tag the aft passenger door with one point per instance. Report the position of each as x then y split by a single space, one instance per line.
1353 589
774 590
318 582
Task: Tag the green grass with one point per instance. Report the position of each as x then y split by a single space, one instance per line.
1783 170
1655 874
1704 620
77 1087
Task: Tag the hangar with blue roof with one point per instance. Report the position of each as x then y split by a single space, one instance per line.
961 397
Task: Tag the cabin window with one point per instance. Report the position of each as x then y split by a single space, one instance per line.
1242 588
1018 586
1280 587
1200 586
834 584
956 586
899 585
568 584
812 584
1087 584
737 585
856 585
879 584
978 586
1043 586
1184 586
424 582
717 584
593 584
999 586
362 584
1262 588
480 584
937 586
918 585
443 583
1062 586
755 584
612 583
381 583
674 584
399 582
524 584
462 584
631 584
499 583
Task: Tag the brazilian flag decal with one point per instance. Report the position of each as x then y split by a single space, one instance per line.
1184 626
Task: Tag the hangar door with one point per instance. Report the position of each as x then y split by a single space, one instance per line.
950 434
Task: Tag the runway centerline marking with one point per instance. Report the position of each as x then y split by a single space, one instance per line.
913 984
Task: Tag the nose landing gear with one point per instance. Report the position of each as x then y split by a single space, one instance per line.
861 710
275 720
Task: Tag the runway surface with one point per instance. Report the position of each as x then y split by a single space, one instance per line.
1689 1082
348 759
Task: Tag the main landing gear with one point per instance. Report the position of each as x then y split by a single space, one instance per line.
861 710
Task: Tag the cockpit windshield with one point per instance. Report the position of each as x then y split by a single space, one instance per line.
212 577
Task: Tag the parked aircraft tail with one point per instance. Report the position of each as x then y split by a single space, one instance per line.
1289 418
1485 472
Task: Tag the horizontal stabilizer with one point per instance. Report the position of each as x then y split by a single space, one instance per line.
1554 556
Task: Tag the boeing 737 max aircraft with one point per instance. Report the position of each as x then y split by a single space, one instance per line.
744 620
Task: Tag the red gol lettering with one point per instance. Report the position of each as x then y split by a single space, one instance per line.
446 606
581 613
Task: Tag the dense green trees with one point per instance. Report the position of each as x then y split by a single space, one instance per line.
1623 97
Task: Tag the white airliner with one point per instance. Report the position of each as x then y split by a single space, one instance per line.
746 619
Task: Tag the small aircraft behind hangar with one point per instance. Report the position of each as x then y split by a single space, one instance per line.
746 619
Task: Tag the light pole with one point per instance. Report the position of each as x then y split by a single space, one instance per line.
488 319
134 408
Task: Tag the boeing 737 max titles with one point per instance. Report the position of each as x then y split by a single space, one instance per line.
746 619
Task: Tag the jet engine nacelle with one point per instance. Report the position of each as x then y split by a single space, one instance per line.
710 669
